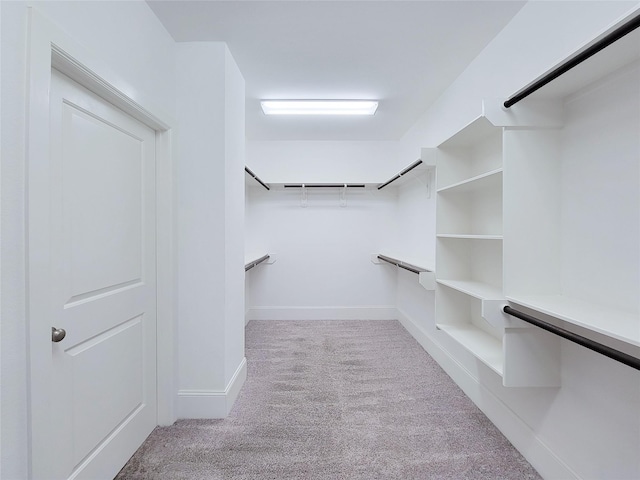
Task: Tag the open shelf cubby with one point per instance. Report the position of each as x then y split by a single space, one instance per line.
470 260
473 207
460 317
470 154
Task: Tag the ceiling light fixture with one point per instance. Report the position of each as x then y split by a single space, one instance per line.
319 107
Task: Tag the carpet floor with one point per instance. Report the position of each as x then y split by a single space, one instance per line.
335 400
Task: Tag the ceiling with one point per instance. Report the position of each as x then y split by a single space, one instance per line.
402 53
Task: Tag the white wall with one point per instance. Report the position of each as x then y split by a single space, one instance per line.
235 141
211 139
542 34
324 161
323 267
140 54
415 239
588 428
414 220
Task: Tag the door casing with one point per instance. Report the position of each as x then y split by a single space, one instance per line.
50 47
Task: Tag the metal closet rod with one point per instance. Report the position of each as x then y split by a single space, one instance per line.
326 185
255 177
612 353
249 266
588 52
403 172
401 264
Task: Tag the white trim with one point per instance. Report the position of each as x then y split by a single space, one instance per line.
212 403
50 47
321 313
74 69
523 438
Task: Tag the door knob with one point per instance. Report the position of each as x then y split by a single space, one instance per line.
57 334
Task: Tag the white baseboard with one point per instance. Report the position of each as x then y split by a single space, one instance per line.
321 313
212 403
523 438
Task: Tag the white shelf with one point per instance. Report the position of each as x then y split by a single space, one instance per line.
470 237
490 179
480 290
470 154
396 258
472 206
352 187
617 55
253 258
254 261
426 276
411 172
485 347
473 133
612 323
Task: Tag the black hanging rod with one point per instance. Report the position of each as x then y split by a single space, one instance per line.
403 172
250 265
325 185
588 52
246 169
401 264
617 355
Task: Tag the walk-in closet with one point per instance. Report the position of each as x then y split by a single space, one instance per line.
247 240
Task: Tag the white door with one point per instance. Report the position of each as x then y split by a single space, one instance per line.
102 288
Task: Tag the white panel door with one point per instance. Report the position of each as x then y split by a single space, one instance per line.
102 283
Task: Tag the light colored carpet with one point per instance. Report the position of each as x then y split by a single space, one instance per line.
335 400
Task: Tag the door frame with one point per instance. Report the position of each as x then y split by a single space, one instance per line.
50 47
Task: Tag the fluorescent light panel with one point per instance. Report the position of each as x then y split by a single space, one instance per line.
319 107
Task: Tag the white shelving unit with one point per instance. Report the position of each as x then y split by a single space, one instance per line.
572 200
469 260
469 238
